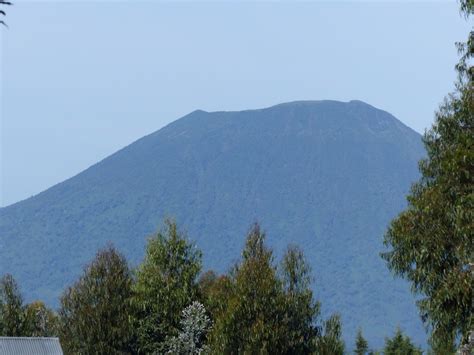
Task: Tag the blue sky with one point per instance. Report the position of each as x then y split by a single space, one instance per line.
80 80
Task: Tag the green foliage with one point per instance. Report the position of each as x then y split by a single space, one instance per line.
362 346
95 311
165 285
257 308
215 292
300 308
400 345
16 319
12 315
261 310
442 348
432 241
254 319
464 67
330 342
194 326
41 321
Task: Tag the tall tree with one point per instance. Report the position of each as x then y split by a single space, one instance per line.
166 283
265 311
362 347
254 320
330 342
215 292
12 314
17 319
301 309
431 242
95 311
400 344
40 320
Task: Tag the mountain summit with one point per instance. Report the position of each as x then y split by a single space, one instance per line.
325 175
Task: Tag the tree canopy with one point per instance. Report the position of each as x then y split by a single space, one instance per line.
431 242
95 311
268 310
362 346
12 316
400 344
166 284
253 319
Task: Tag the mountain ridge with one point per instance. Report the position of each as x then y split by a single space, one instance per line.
326 175
200 111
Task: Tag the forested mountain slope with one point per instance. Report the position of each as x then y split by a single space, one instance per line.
325 175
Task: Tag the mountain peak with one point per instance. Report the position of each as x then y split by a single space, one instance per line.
325 175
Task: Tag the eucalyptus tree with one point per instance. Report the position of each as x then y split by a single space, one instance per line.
253 321
12 310
166 283
431 243
362 346
95 310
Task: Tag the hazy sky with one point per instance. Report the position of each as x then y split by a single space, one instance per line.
80 80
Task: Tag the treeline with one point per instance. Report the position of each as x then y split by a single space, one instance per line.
168 305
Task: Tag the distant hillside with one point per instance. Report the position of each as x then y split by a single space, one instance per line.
325 175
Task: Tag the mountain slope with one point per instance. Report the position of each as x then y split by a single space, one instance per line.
325 175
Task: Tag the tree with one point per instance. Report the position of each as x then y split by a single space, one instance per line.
466 49
40 320
301 309
440 348
330 342
400 345
194 326
362 347
431 242
267 311
95 311
19 320
166 284
254 319
12 315
215 292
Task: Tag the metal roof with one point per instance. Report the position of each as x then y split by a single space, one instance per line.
30 346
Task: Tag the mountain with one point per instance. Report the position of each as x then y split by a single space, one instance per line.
325 175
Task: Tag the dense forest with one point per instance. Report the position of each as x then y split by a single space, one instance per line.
169 304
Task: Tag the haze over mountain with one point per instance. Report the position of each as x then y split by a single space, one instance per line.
325 175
